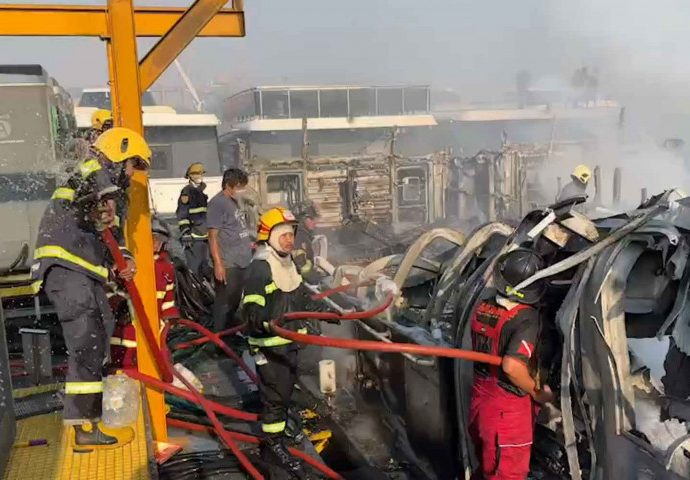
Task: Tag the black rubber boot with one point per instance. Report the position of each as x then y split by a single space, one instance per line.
91 435
275 452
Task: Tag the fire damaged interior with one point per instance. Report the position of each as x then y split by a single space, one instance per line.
613 344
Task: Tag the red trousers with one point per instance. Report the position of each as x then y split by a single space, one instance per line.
501 425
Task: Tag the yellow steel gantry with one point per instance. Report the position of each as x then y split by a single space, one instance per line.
119 23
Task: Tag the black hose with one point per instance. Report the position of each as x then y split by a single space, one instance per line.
193 296
199 465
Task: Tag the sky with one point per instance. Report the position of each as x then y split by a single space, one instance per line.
639 48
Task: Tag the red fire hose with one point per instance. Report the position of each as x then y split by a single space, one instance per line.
243 437
165 367
215 338
167 371
178 392
202 340
218 426
370 345
239 328
151 339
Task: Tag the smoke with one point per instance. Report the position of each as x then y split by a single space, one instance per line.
642 165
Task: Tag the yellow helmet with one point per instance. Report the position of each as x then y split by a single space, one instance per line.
100 117
582 173
195 169
271 219
120 144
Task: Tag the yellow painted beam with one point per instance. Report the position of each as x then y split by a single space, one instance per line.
127 113
92 21
176 39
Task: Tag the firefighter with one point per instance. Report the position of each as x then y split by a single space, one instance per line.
272 288
191 218
72 265
124 341
504 398
101 120
165 272
303 254
577 186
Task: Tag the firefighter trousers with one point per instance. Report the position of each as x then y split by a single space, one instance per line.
87 325
198 259
277 371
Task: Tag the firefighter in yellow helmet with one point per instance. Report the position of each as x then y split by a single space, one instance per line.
72 266
274 287
578 184
192 208
101 120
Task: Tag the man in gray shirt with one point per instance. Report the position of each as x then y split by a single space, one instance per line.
231 247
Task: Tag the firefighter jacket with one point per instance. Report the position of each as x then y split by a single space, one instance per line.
165 287
68 235
272 288
191 211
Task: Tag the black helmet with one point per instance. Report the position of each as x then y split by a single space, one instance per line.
513 268
159 227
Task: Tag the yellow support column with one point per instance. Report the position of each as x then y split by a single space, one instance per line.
126 101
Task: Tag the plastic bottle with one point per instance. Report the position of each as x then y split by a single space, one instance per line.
120 401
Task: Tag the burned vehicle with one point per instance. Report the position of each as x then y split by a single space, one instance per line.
614 311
